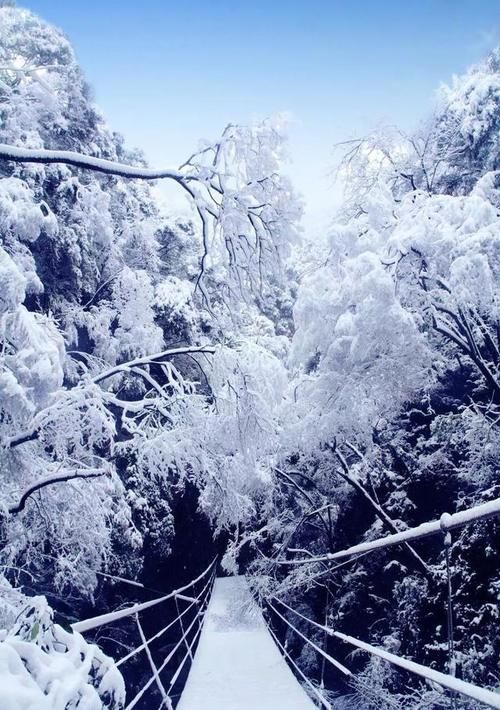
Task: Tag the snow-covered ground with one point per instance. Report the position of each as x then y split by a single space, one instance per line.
237 665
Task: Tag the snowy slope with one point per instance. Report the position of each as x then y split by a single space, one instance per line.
237 665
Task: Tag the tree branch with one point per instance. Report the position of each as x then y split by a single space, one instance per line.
154 359
131 366
316 511
379 511
100 165
50 480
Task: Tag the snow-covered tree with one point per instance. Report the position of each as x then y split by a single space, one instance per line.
90 387
392 407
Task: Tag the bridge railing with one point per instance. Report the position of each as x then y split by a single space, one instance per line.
444 525
190 629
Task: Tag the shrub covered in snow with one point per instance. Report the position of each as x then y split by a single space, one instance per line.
45 667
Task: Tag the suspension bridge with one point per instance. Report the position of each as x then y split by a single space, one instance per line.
234 660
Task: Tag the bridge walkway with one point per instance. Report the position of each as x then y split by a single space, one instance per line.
237 665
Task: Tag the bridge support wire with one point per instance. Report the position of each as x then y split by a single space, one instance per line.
199 600
482 695
189 646
316 692
102 619
198 618
165 699
319 650
157 635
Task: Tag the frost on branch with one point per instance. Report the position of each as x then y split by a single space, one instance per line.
224 442
254 212
31 362
247 215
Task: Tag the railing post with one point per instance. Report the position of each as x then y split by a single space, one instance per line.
444 522
183 633
325 634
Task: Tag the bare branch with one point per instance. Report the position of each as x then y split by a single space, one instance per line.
379 511
156 358
50 480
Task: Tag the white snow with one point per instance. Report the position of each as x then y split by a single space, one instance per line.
483 695
237 665
11 152
44 667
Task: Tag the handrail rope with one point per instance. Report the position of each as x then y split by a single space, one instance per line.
165 699
482 695
157 635
324 702
165 628
189 653
319 650
110 617
170 655
447 522
321 627
463 687
166 660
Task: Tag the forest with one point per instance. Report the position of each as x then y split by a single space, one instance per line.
177 389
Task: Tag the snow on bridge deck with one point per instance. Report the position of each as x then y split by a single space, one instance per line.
237 665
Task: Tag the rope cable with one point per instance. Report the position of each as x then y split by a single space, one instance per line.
485 511
483 695
139 695
317 648
314 689
165 699
108 618
165 628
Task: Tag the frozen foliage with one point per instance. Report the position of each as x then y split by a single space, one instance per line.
42 666
395 278
313 398
226 444
393 404
467 129
97 412
354 344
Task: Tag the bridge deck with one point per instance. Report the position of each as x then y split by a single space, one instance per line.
237 665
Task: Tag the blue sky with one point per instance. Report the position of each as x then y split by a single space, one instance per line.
167 73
